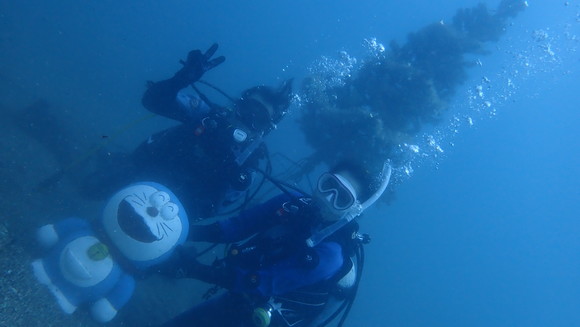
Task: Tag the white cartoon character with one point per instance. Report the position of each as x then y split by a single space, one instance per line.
143 223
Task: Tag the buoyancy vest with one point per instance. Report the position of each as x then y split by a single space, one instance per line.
300 307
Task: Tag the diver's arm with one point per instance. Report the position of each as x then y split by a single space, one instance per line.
237 228
253 220
162 97
242 226
287 275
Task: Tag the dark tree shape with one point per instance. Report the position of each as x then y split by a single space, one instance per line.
390 97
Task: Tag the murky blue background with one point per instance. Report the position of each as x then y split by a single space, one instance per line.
485 233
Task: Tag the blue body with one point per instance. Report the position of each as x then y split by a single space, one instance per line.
117 287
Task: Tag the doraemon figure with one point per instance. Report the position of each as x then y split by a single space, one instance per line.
141 226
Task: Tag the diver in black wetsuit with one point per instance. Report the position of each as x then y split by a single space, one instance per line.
209 159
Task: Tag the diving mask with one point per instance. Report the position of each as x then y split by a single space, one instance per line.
354 211
337 191
256 114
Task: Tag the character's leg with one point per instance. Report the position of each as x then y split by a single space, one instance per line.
43 278
106 308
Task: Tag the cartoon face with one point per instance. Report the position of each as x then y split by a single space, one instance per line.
145 221
147 218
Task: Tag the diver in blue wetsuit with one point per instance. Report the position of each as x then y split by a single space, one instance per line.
293 259
210 158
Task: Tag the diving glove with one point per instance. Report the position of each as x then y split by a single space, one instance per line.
197 64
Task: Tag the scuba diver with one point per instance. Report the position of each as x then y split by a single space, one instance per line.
295 260
210 158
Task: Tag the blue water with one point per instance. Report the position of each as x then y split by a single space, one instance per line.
484 230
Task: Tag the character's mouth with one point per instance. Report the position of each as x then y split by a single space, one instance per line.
133 225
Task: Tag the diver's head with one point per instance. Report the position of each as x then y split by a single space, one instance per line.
262 107
344 193
347 188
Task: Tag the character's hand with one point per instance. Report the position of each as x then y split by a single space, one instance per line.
47 236
198 63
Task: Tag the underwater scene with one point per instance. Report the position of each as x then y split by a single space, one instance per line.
290 163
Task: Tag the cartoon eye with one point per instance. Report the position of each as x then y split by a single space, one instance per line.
158 199
169 211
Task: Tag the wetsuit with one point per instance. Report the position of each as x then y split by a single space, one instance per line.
273 269
196 159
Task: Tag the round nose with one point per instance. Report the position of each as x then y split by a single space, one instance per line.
152 211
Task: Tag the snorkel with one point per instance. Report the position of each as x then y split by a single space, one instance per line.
355 211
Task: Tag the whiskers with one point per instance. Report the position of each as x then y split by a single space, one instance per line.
137 199
163 230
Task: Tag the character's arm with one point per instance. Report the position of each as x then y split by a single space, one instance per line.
106 308
48 235
163 97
